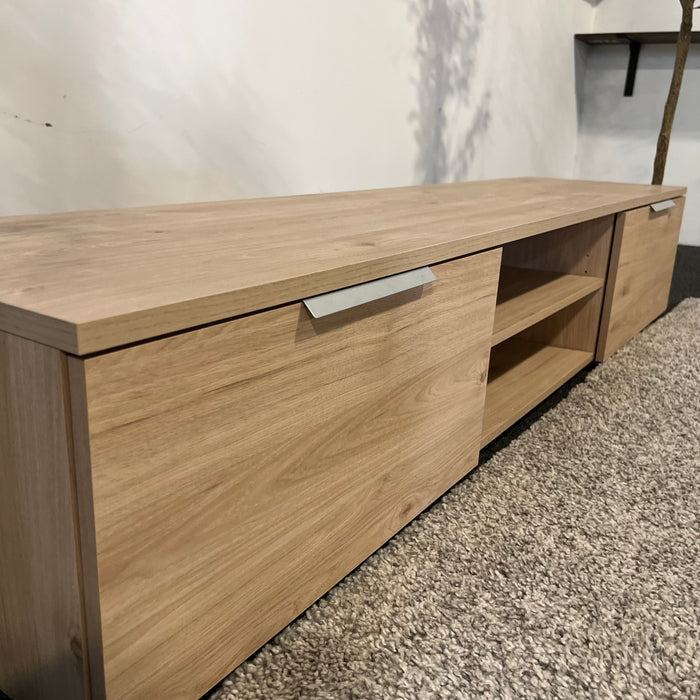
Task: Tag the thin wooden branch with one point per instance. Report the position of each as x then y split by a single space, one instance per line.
682 48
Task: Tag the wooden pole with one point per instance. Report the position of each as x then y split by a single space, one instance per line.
682 48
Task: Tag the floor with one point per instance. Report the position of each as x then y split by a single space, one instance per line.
686 283
686 275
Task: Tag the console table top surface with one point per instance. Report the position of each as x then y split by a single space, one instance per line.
94 280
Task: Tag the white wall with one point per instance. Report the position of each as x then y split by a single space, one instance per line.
159 101
614 16
617 139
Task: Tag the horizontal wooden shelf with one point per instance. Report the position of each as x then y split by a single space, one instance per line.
526 297
521 374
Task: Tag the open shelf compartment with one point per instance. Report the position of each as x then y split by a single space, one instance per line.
526 297
547 316
521 374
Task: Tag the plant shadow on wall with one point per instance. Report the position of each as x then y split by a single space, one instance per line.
449 119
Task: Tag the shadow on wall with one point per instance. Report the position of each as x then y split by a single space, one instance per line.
448 33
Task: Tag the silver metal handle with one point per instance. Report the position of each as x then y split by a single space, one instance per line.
341 299
662 206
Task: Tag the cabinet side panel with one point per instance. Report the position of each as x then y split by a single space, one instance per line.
641 268
41 635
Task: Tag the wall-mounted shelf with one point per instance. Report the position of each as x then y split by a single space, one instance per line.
639 37
634 40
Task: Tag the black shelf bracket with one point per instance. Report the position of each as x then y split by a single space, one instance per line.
635 47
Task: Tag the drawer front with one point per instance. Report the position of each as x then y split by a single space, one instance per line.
239 471
641 268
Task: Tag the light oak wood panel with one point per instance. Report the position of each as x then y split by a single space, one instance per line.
575 326
89 281
239 471
641 269
41 633
522 373
84 508
526 297
583 249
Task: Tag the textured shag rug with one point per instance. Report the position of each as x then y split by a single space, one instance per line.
568 565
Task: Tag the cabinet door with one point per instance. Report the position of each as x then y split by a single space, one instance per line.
639 279
240 470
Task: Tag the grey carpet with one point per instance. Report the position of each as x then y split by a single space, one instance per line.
565 566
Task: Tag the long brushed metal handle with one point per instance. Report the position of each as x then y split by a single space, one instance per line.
347 298
662 206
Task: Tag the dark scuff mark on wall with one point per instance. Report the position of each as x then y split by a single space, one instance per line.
28 121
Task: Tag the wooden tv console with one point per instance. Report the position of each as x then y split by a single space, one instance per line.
190 458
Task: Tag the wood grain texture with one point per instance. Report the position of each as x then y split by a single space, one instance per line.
583 249
80 438
526 297
575 326
90 281
239 471
641 268
521 374
41 633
